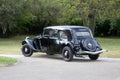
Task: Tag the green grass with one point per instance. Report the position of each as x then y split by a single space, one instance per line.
7 61
112 45
13 46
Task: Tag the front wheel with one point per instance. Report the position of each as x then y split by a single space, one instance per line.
67 54
94 57
26 50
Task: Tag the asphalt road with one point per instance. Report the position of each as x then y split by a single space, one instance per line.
45 67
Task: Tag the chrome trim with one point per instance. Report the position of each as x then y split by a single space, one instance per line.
93 53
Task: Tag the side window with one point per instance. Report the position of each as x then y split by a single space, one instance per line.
69 35
50 33
46 33
63 35
53 33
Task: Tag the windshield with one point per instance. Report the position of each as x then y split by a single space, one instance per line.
82 33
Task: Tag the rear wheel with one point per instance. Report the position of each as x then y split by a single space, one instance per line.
94 57
26 50
67 54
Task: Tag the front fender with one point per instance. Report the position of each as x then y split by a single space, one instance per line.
29 42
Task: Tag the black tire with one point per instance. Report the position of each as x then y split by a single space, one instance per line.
94 57
67 54
26 50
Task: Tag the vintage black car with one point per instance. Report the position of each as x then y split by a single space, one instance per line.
65 40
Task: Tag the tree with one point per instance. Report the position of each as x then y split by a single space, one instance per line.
7 15
92 10
89 10
30 16
68 13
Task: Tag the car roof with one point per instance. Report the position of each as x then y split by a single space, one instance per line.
66 27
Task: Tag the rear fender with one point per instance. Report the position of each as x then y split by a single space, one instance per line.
67 44
97 44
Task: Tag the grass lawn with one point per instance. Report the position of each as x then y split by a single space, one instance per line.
7 61
13 46
112 45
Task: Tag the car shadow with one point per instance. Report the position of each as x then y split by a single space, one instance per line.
59 57
48 57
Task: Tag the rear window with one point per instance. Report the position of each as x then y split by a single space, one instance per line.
84 34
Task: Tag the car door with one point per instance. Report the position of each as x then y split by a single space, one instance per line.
53 41
45 40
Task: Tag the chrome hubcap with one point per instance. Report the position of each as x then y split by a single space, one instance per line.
66 53
26 49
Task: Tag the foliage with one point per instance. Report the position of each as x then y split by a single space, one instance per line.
115 27
30 16
103 28
8 11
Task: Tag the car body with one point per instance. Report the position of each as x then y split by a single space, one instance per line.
66 40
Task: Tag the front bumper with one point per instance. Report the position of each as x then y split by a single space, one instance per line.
92 53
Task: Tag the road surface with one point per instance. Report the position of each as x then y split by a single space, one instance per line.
43 67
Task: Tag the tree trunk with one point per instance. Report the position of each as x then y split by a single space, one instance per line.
92 21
